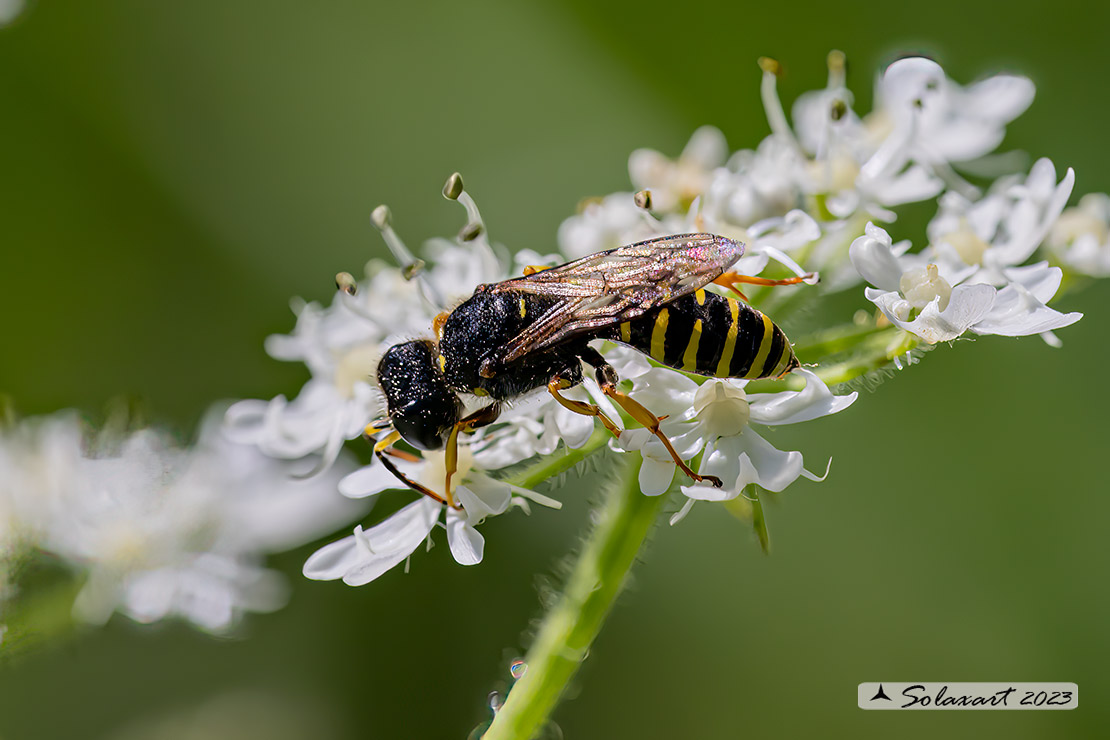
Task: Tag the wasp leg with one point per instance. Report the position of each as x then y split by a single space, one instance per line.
731 279
557 384
607 379
382 448
480 418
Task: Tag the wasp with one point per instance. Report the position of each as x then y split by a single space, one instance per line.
529 332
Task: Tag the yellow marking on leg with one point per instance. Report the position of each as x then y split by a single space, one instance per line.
764 349
451 462
442 363
523 309
690 356
626 332
533 269
659 334
387 441
730 340
699 294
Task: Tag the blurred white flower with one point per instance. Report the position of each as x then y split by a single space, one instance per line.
1080 238
157 530
675 183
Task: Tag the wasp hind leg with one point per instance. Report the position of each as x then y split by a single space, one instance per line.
732 280
557 384
607 379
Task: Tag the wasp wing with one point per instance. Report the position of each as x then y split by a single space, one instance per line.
608 288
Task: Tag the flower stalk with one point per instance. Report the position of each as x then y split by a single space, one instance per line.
569 629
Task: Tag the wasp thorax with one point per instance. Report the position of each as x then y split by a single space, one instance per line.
421 406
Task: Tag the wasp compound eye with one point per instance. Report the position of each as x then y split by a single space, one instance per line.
421 406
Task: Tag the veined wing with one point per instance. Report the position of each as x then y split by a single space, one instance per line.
610 287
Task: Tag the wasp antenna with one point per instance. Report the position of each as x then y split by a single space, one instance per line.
346 282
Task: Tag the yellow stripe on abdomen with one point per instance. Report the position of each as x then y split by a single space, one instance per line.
730 340
690 356
756 368
659 334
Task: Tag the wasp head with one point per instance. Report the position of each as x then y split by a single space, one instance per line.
421 406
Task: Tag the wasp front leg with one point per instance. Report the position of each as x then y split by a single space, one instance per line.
480 418
384 447
607 379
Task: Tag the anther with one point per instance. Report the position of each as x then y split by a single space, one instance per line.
412 269
470 232
836 61
453 188
770 66
838 110
381 217
346 282
642 199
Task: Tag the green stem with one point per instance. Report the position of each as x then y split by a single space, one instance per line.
568 630
554 464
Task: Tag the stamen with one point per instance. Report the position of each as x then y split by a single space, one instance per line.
772 106
382 219
642 199
453 189
838 64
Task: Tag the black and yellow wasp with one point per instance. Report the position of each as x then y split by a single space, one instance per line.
511 337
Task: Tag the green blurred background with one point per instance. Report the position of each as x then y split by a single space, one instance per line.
172 173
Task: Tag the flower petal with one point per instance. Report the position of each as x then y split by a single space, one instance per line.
791 407
467 543
873 259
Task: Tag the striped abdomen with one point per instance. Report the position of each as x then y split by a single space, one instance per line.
710 334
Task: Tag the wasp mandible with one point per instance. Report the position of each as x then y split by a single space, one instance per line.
533 331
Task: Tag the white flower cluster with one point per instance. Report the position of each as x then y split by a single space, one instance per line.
806 199
154 529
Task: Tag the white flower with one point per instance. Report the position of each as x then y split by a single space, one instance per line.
367 554
675 183
613 221
1003 229
1080 238
949 123
342 344
932 301
715 419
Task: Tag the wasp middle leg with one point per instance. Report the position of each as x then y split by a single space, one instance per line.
557 384
607 379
